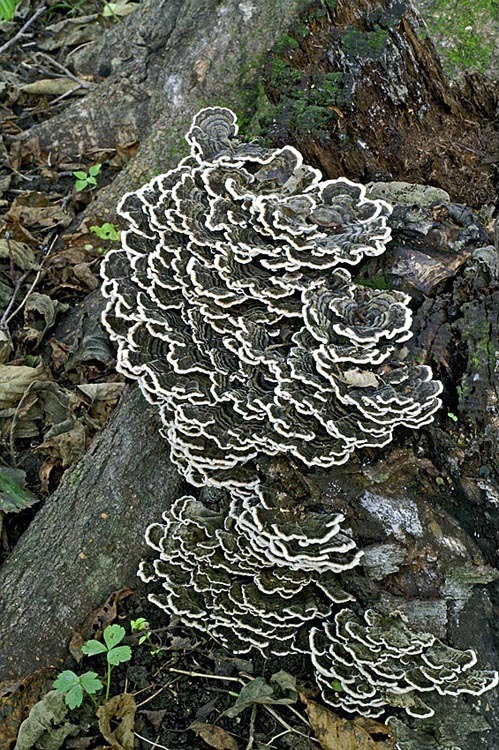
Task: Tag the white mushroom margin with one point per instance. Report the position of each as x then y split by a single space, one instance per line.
231 306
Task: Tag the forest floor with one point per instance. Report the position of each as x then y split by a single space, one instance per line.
58 385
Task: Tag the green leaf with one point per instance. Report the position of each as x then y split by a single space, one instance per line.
113 635
91 648
7 9
119 654
91 181
74 697
108 231
81 185
65 681
94 169
69 683
13 496
90 683
80 175
139 624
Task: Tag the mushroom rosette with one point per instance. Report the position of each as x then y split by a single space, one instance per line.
231 304
373 663
231 307
252 578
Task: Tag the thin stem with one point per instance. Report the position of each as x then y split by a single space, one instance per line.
108 688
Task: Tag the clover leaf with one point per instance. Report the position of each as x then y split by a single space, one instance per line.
74 687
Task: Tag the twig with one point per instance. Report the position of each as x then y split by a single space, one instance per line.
66 71
7 316
276 737
287 726
251 738
208 676
160 690
65 95
496 240
153 744
21 31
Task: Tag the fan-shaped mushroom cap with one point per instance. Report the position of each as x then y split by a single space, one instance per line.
365 665
231 306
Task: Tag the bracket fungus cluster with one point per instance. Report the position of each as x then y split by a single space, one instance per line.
232 305
252 577
368 664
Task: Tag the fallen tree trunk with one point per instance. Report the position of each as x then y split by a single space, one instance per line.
87 539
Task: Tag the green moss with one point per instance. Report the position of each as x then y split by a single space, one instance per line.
285 43
370 44
459 24
378 281
301 31
301 100
283 76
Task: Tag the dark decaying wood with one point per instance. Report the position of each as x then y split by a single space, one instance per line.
86 541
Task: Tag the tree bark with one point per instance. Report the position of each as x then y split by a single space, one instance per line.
177 57
87 540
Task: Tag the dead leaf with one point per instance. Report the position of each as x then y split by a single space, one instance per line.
60 353
102 391
84 273
17 699
155 718
47 725
92 343
21 254
95 623
44 407
119 8
280 691
68 445
37 210
15 381
214 736
70 32
40 312
5 347
360 378
50 86
336 733
121 709
45 472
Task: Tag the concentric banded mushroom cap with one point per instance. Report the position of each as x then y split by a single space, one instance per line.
231 305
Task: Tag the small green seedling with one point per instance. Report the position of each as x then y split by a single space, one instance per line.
74 687
7 9
106 231
452 416
86 180
113 635
140 625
